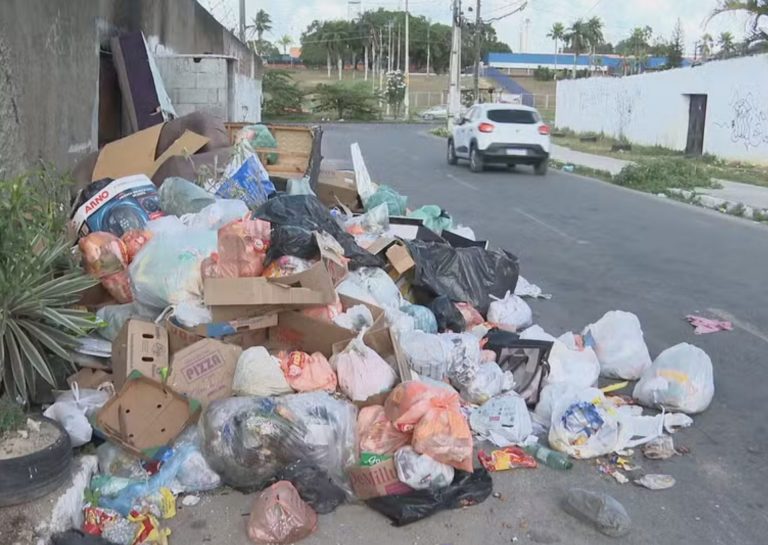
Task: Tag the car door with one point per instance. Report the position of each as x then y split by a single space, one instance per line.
463 131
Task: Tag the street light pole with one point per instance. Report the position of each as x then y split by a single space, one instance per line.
406 101
454 84
478 22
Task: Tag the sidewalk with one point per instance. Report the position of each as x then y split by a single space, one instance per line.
734 197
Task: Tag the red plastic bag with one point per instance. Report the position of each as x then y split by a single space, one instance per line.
443 433
407 403
506 458
135 241
279 515
306 373
103 254
377 434
470 314
119 286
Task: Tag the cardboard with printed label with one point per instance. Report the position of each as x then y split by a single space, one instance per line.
140 346
376 480
204 370
243 333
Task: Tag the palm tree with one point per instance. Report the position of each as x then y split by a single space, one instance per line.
594 30
286 42
757 9
336 41
726 43
261 23
576 38
706 46
557 33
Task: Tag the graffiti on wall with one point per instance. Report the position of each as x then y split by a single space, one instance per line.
748 123
616 106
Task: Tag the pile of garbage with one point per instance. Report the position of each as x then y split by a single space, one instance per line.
314 349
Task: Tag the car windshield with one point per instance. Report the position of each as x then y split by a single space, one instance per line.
513 116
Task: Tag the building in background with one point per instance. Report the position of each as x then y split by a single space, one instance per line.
523 64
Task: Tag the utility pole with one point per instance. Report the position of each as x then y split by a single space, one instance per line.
478 22
390 64
242 21
398 46
406 99
454 84
429 25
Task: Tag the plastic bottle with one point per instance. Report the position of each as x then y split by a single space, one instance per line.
549 457
602 510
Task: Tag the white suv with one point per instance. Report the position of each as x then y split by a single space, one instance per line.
509 134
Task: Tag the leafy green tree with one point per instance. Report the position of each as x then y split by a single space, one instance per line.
346 101
285 42
675 51
705 45
757 10
282 95
727 44
394 92
262 23
577 36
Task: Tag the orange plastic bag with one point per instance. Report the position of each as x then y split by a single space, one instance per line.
326 312
119 286
408 403
279 515
306 373
443 433
103 254
470 314
242 246
377 434
135 241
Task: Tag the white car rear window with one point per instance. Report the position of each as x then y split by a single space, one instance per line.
525 117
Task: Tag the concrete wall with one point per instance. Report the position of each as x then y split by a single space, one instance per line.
652 109
50 67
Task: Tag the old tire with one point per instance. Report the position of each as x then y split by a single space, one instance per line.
540 168
475 160
26 478
452 159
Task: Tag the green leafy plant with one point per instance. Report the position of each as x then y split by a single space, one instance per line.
11 415
395 90
39 283
657 175
282 94
347 101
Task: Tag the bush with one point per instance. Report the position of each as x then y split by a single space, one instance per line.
281 94
347 101
542 73
658 175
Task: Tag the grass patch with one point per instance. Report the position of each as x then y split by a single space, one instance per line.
442 132
659 175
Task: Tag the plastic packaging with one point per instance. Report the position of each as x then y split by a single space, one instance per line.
617 339
427 354
259 374
548 457
568 363
448 316
307 212
371 285
550 394
307 373
194 473
464 359
399 322
420 471
465 490
286 265
489 381
409 401
362 372
602 510
119 286
423 318
191 313
434 218
470 315
367 227
72 409
289 240
396 203
103 254
506 458
216 215
511 312
244 178
279 515
114 316
503 420
299 186
314 485
259 136
167 270
179 196
242 246
326 313
470 275
116 462
356 318
680 379
443 433
376 434
135 241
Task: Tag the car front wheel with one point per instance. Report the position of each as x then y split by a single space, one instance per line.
452 160
475 160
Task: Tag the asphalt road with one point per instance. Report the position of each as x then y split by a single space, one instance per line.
595 247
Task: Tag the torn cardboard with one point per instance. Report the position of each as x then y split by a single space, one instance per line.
140 346
400 258
204 370
145 417
243 333
89 378
376 480
335 187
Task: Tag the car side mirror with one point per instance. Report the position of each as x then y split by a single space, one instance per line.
461 120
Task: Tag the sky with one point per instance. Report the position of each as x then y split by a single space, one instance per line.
291 17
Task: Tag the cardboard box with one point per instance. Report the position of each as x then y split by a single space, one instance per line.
140 346
400 258
145 417
377 480
204 370
336 187
238 298
89 378
296 331
243 333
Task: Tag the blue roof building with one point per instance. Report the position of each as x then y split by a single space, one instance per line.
613 64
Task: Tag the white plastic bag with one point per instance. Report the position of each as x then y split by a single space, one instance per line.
356 318
511 312
680 379
464 358
567 363
399 321
426 353
362 372
550 394
192 312
503 420
372 285
489 382
114 316
217 215
259 374
72 409
617 339
421 472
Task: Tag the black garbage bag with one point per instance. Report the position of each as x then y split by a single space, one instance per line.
314 486
526 359
307 212
449 318
468 275
77 537
466 489
292 240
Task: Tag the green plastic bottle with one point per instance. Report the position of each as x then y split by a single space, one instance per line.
549 457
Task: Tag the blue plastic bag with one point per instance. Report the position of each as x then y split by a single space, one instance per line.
245 178
423 318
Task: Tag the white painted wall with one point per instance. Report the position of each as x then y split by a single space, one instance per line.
246 105
652 109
